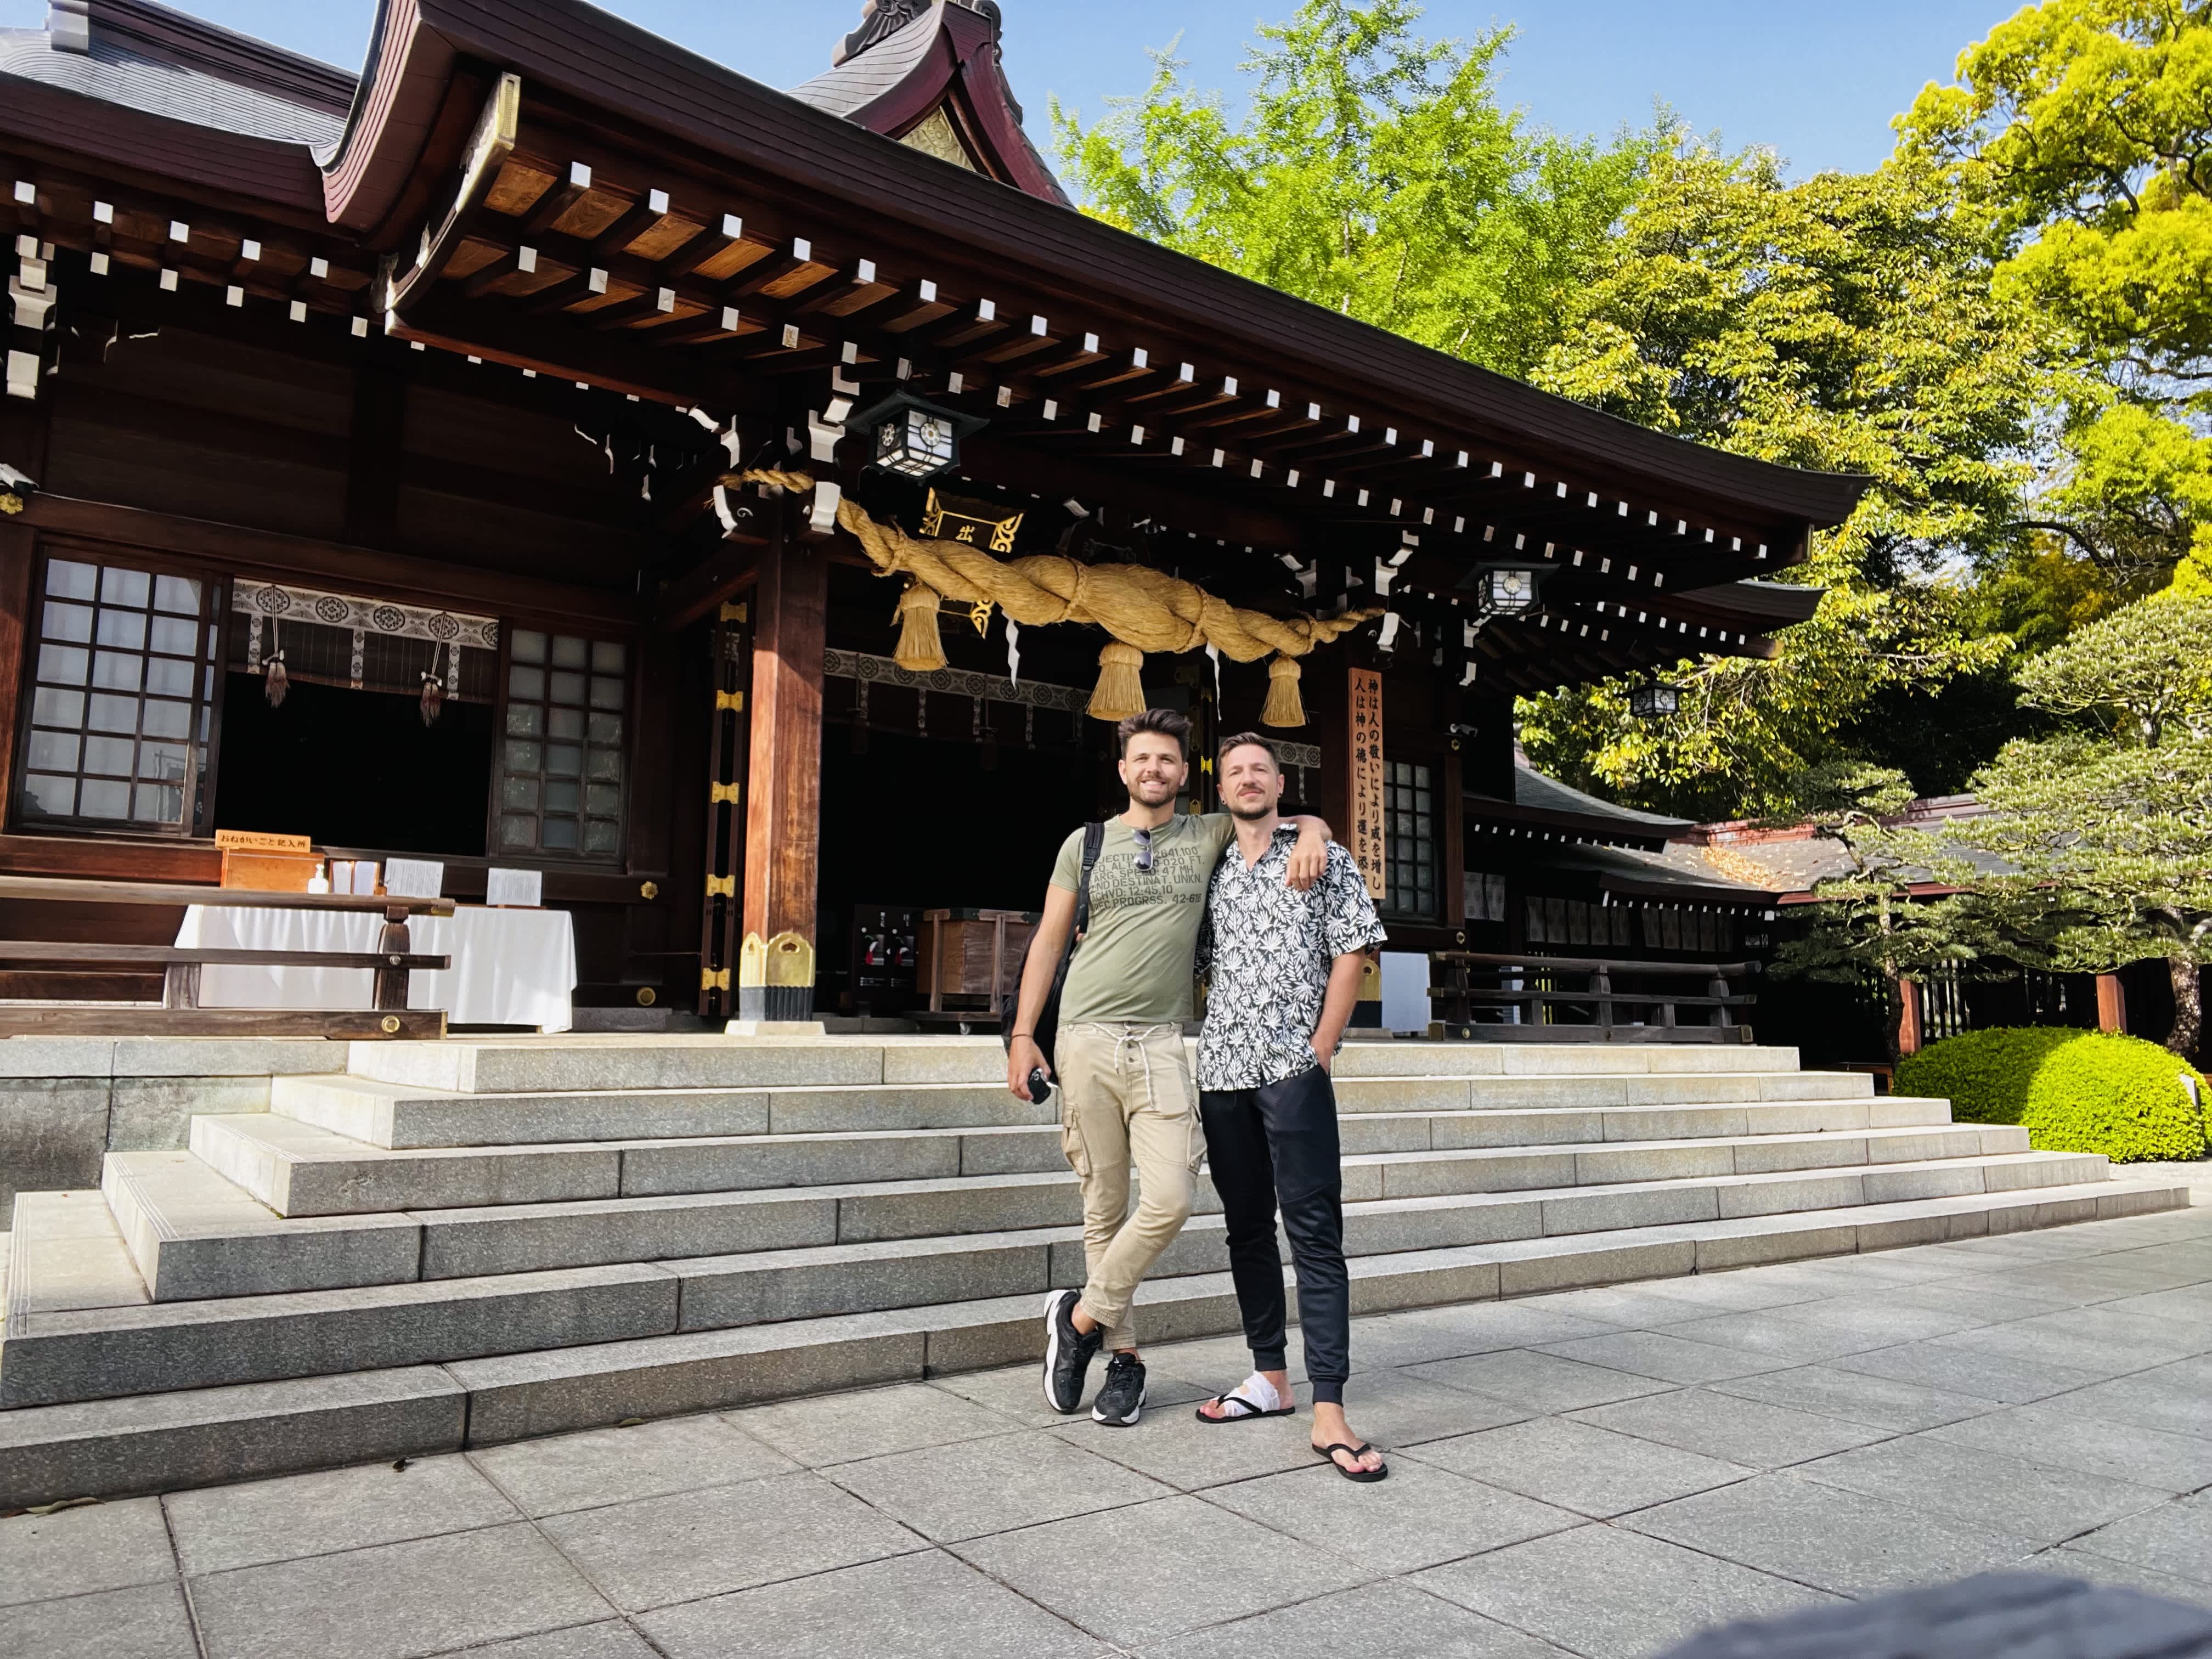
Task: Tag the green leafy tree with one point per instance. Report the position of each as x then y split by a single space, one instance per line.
1877 917
1845 323
2105 828
1374 173
2083 129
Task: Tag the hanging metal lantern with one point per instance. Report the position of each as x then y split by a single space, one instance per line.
913 438
1504 589
1655 700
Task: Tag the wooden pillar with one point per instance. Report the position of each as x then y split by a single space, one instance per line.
2111 1004
1908 1017
15 550
783 812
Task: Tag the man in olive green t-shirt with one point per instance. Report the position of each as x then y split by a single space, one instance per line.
1124 1078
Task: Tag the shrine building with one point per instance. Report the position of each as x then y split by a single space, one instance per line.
751 508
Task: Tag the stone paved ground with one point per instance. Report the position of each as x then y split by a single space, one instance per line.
1597 1473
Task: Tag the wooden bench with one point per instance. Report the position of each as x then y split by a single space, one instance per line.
181 1014
1529 984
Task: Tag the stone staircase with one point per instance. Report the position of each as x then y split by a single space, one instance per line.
467 1242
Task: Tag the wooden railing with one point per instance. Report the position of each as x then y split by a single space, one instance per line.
1544 1008
392 962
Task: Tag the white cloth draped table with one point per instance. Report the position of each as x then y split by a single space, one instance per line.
510 967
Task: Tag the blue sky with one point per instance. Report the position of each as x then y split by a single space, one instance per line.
1817 82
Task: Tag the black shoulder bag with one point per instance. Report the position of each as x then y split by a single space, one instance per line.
1048 1026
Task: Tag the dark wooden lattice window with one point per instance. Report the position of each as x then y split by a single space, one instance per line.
560 787
1409 831
121 679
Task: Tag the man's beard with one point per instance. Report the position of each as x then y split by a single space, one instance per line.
1251 814
1152 791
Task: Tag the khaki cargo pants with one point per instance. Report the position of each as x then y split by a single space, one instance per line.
1126 1095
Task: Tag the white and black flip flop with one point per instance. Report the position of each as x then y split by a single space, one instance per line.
1246 1404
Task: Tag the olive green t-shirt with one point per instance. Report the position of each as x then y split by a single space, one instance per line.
1134 963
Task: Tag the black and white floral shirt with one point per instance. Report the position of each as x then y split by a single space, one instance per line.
1271 949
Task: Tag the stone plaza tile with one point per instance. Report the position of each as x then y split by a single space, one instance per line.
1540 1381
2064 1433
1015 1392
393 1600
1964 1370
1801 1335
1880 1403
1174 1447
1600 1590
1844 1541
2070 1561
1986 1490
2191 1303
1420 1517
1902 1313
1143 1575
218 1527
1747 1432
2176 1537
1396 1408
841 1428
95 1547
612 1465
655 1551
1385 1620
1745 1291
973 1487
2091 1340
1589 1470
2165 1397
1976 1304
1668 1357
1486 1327
146 1621
1617 1307
610 1639
915 1607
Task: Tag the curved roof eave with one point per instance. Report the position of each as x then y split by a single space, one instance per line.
589 55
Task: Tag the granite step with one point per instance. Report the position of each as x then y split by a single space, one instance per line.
165 1441
407 1117
65 1354
297 1169
572 1063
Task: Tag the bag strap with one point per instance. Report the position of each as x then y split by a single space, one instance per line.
1094 842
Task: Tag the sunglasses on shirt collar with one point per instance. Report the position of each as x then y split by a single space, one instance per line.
1143 851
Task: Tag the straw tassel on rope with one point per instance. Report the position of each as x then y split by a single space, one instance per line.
1120 692
1284 707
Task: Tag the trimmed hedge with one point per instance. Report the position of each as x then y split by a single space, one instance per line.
2073 1091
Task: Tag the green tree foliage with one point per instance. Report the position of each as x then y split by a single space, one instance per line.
1846 323
2074 1092
1375 172
2083 130
2106 827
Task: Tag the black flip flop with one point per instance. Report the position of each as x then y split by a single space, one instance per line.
1249 1412
1365 1477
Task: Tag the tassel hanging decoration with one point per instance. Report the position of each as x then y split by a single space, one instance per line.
920 648
1283 706
277 682
1120 690
434 699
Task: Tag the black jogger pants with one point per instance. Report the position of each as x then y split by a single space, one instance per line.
1278 1144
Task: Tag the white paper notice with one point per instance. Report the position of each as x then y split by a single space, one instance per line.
364 876
521 889
414 878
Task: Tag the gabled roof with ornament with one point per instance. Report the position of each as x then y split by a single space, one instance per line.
931 73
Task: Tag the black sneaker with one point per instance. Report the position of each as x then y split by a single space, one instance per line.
1067 1353
1121 1396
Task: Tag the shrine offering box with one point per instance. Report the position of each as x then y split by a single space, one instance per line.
267 863
973 956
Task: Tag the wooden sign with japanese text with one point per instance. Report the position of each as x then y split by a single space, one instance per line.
1364 730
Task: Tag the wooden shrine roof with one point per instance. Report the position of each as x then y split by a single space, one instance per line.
644 220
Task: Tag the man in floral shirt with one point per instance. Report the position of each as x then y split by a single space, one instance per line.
1286 969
